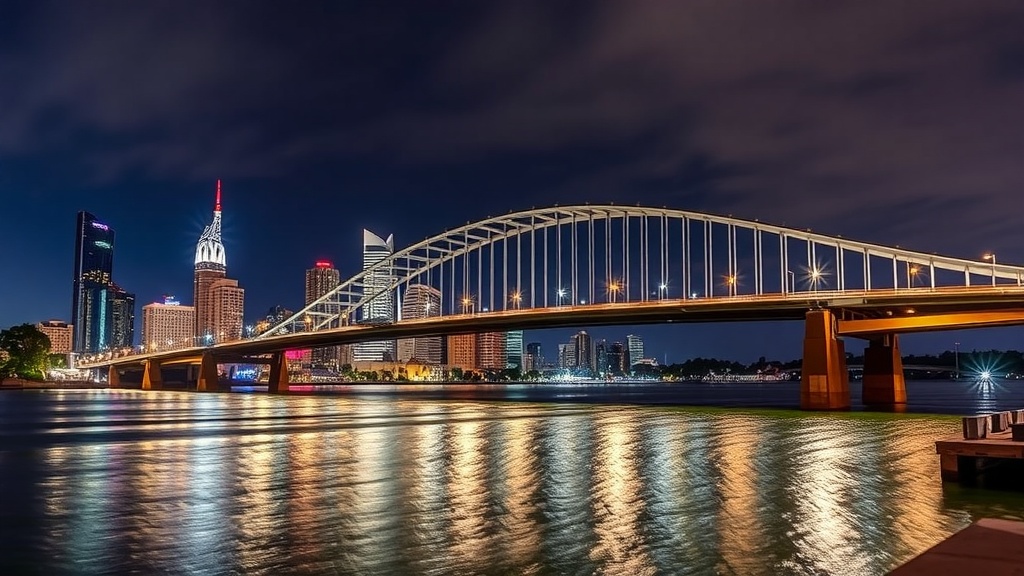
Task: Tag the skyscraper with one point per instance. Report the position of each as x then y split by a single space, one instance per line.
636 351
122 317
212 290
534 359
582 347
102 313
618 357
376 287
320 280
601 355
421 301
514 349
167 325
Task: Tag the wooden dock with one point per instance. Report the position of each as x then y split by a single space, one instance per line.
986 440
990 547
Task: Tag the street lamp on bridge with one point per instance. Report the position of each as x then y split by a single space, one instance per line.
562 293
992 256
792 280
467 304
613 289
517 299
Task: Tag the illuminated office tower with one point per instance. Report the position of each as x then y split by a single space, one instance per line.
167 325
122 317
534 358
635 347
219 301
420 301
94 262
320 280
462 351
514 349
380 309
491 351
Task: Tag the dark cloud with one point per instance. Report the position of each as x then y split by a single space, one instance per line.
895 122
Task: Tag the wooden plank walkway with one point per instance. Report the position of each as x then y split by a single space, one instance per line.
989 547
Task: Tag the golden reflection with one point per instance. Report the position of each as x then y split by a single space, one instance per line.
521 538
824 524
617 500
735 450
467 492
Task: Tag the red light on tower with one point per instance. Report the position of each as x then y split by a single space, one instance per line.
324 264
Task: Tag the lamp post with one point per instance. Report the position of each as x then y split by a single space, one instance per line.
562 292
517 299
731 282
792 280
992 256
912 271
613 289
662 288
815 276
956 360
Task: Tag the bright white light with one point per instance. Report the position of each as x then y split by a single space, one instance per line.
986 375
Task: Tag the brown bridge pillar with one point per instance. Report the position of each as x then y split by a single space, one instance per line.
883 372
113 377
278 381
824 381
208 376
151 377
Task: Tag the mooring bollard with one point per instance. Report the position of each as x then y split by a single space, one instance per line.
1000 422
975 427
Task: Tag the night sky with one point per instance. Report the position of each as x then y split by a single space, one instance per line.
891 122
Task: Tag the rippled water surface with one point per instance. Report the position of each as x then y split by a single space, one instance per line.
176 482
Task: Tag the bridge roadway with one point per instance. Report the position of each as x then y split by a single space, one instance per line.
864 314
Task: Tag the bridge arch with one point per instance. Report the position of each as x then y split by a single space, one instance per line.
598 254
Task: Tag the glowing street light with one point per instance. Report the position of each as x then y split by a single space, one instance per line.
730 281
992 256
613 289
662 290
467 304
816 276
562 293
517 299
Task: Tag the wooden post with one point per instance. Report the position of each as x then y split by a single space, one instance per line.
824 382
883 373
278 381
151 377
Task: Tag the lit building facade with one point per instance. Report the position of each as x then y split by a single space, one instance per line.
491 351
514 350
61 335
167 325
635 346
617 358
462 351
94 263
380 309
212 290
581 348
122 317
320 280
534 357
421 301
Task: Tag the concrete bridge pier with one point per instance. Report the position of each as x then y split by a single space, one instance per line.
883 373
824 380
278 381
208 378
152 379
113 377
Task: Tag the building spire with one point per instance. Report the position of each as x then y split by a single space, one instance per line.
216 207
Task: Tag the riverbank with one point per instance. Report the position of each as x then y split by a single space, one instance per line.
22 384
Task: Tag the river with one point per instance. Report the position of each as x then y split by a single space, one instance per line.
529 479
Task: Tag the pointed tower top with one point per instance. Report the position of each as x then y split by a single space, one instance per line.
216 207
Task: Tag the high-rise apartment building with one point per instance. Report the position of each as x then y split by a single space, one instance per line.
581 347
167 325
61 335
94 264
514 349
490 351
635 347
421 301
462 351
618 357
380 307
601 357
212 290
320 280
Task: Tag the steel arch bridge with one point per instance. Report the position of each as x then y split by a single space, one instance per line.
593 255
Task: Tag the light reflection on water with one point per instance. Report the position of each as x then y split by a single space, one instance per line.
116 481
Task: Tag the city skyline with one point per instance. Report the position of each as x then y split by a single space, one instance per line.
914 160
